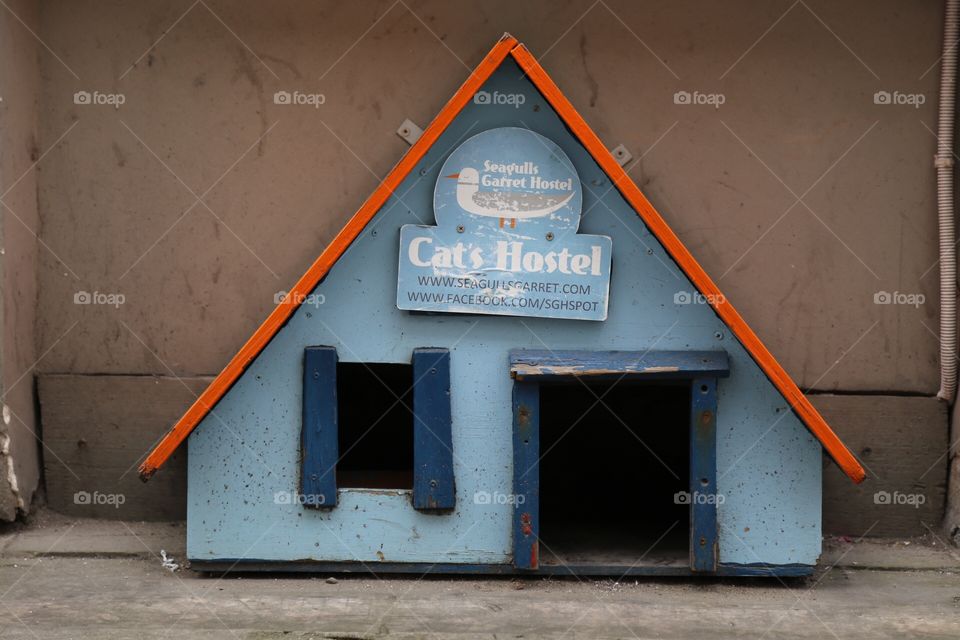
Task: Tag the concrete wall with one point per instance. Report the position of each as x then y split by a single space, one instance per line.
119 191
19 226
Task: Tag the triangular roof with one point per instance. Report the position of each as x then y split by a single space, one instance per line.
507 46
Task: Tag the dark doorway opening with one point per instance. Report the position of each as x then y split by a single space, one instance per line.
375 425
615 461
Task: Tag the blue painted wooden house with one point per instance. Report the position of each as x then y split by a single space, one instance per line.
506 362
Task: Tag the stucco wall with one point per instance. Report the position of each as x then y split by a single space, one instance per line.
19 92
117 196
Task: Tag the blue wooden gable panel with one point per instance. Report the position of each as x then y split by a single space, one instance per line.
246 451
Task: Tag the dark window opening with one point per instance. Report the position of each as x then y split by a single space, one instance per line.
610 472
375 425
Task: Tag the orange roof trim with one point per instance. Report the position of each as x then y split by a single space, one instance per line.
507 45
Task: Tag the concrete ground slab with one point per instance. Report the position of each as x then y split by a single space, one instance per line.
69 578
73 597
51 534
930 552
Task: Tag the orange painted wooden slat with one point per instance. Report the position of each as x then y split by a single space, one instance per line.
222 383
783 382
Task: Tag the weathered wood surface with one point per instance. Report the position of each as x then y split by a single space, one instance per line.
97 428
539 363
902 442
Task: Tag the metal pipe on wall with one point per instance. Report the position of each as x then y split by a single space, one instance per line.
944 164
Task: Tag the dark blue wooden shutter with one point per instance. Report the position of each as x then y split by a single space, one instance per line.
433 484
319 449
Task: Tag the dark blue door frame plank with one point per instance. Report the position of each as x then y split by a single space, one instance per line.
433 480
526 475
703 475
319 448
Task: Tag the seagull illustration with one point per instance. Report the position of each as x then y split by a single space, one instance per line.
505 205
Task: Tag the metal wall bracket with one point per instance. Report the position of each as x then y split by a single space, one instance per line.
409 131
621 155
